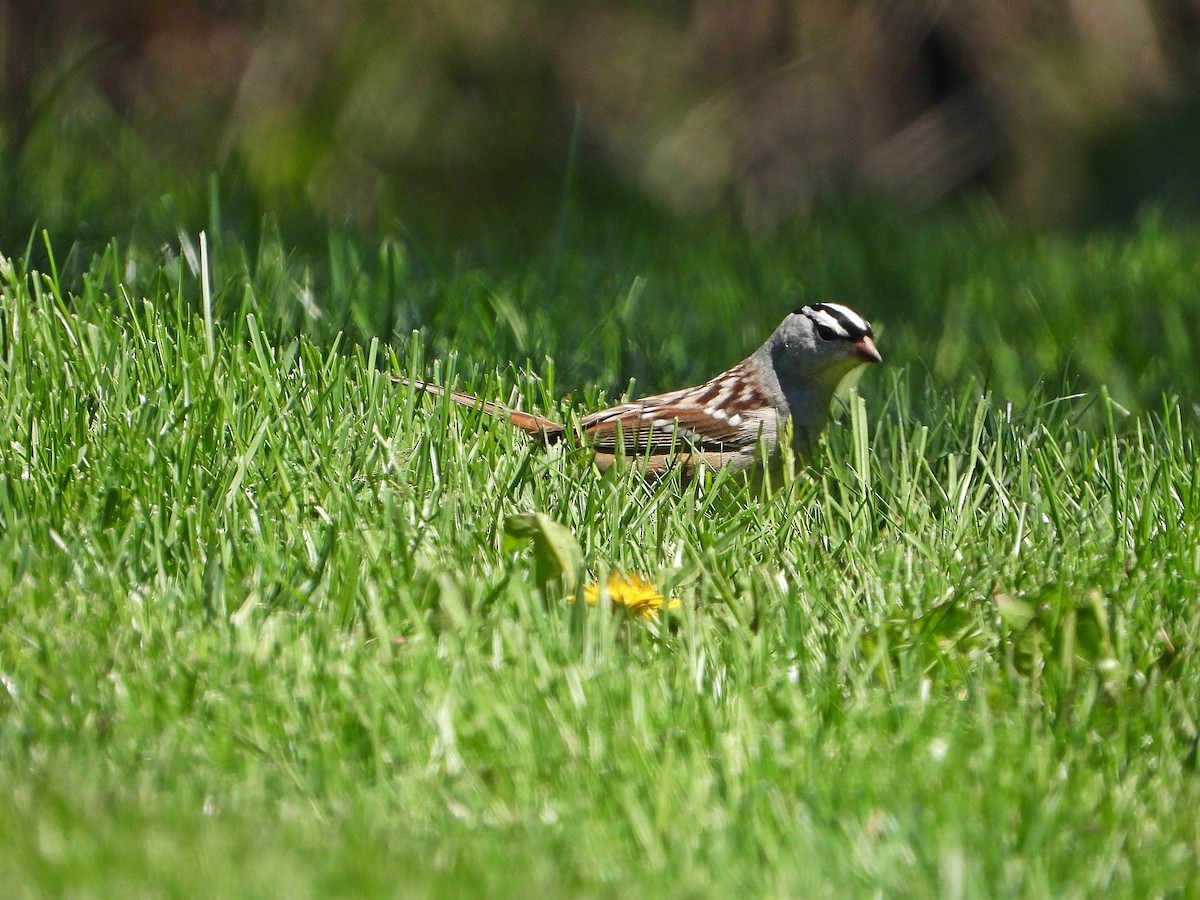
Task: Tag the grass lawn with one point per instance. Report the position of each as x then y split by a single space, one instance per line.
262 633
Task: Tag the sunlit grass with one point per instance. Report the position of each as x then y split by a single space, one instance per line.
262 632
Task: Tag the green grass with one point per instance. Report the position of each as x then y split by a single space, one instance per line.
261 636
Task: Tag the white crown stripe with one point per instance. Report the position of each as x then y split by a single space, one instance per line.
824 319
844 321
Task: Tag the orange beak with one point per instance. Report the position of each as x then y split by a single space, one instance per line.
865 349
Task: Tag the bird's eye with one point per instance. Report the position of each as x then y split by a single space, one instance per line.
826 333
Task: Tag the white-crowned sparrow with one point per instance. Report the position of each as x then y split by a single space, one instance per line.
720 423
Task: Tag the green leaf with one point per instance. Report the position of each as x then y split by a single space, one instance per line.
556 553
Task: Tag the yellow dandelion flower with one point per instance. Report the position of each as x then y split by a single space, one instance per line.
635 593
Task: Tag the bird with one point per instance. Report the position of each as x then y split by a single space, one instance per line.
729 420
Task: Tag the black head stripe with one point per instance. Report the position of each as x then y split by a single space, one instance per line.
845 321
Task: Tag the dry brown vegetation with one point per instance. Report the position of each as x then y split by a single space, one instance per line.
751 105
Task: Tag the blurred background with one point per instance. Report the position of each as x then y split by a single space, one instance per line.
458 116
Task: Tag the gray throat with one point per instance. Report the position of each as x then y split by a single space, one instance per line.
805 400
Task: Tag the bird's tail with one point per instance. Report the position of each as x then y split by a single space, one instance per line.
542 430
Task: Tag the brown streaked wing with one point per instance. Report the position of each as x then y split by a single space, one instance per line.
718 415
657 429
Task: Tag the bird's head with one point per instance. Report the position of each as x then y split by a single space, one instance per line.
823 341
